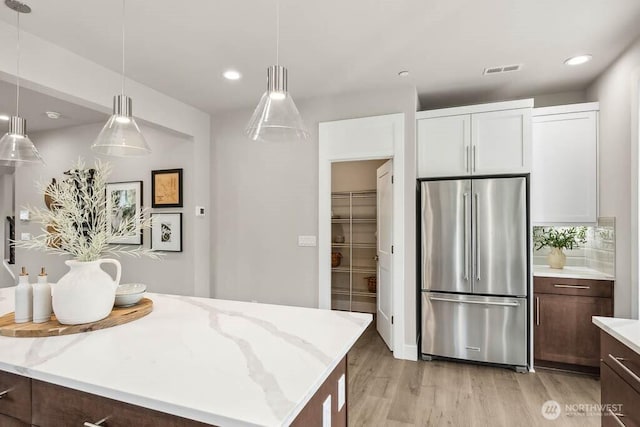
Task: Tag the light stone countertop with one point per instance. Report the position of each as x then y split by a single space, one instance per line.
226 363
627 331
570 272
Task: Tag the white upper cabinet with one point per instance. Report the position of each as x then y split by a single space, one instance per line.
564 179
488 139
443 146
501 142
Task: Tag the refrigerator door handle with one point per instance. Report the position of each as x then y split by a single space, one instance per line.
503 304
476 212
465 197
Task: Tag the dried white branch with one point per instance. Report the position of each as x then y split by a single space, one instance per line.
78 221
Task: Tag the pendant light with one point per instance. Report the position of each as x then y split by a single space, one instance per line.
121 135
16 148
276 117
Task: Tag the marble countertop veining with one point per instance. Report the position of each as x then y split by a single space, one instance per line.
227 363
570 272
627 331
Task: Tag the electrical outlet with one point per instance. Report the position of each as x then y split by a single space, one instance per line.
341 392
326 412
25 236
25 215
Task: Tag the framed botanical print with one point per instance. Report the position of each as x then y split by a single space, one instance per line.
166 232
124 206
166 188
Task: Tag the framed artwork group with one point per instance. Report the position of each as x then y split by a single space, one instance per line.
124 205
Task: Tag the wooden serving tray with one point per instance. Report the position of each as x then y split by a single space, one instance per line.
118 316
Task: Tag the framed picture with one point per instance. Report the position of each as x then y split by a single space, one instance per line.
124 204
166 188
166 232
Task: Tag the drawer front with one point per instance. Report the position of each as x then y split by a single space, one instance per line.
55 406
621 359
11 422
569 286
16 403
619 400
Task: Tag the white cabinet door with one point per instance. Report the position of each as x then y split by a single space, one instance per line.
501 142
444 146
564 171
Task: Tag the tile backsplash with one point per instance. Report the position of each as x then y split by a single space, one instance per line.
599 252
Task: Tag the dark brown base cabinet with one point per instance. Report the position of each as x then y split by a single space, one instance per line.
40 404
564 335
620 383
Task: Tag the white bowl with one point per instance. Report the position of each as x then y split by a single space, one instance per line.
129 294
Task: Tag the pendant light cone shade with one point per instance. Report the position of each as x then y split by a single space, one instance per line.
121 136
15 146
276 117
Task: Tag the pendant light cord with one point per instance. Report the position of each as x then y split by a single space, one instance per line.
18 67
277 32
123 38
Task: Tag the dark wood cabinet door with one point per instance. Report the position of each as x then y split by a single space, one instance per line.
16 403
564 332
55 406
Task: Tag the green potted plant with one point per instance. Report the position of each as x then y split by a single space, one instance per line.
557 239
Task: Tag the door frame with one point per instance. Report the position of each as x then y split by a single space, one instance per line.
369 138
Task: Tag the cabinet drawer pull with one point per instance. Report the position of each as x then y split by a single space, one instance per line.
4 393
96 424
616 417
537 311
573 286
618 361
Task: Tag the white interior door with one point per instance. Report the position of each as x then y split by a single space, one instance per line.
385 250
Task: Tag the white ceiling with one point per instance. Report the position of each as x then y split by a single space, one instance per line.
330 46
34 105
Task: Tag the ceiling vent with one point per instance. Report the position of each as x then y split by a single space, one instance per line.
502 69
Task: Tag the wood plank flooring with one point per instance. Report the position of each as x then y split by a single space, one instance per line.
384 391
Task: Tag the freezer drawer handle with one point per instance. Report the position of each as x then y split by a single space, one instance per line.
504 304
618 361
473 348
572 286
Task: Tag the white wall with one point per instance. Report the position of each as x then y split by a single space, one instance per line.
617 92
61 148
55 71
265 195
355 176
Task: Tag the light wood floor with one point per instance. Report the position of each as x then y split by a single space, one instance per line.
384 391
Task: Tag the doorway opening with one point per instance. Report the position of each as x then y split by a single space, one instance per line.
361 240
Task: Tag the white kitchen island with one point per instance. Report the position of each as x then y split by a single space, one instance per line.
218 362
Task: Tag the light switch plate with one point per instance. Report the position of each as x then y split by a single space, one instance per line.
25 236
326 412
200 211
307 241
24 215
341 392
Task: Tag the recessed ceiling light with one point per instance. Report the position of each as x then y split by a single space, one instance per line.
577 60
403 73
4 117
53 115
231 75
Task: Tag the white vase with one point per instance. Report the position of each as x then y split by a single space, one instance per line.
86 293
557 258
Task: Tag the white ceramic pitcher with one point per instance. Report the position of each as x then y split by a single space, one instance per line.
86 293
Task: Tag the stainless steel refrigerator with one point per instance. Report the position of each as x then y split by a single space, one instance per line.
474 269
